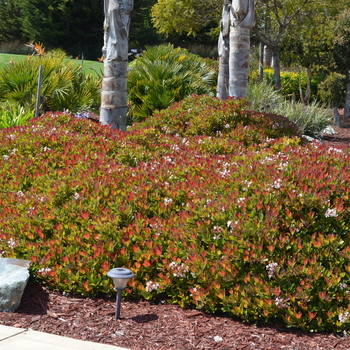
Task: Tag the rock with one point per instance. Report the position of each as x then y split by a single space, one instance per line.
328 131
14 276
218 338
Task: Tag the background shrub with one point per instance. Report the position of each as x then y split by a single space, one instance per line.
332 90
290 81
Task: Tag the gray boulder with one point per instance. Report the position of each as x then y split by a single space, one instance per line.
14 276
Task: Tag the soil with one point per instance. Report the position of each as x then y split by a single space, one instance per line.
146 326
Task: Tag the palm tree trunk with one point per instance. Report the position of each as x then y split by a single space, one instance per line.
239 61
242 20
115 51
224 51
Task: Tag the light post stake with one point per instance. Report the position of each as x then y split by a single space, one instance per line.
120 278
117 304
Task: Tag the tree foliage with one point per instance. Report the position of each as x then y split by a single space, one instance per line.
185 16
10 20
73 26
142 31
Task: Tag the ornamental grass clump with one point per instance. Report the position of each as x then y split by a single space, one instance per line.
258 232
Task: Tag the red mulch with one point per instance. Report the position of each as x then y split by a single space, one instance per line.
146 326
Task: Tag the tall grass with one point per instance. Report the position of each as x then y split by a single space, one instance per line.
311 119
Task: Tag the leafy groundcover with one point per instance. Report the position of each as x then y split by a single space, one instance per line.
258 230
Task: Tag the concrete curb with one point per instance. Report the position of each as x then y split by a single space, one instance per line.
26 339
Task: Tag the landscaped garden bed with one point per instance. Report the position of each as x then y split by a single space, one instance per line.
249 221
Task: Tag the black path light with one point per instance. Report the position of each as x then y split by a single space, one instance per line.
120 278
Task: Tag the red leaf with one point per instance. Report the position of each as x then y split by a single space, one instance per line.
84 215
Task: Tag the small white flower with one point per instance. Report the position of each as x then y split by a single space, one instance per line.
20 194
343 317
343 286
280 303
331 213
277 184
150 286
5 157
178 270
76 196
167 201
272 270
11 243
30 211
44 270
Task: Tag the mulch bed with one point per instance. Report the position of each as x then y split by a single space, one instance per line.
146 326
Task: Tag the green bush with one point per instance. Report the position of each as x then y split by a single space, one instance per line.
64 86
332 90
257 232
163 75
311 119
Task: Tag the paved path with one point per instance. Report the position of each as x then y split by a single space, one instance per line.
12 338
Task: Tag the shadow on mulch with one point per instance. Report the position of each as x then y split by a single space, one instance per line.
145 318
34 300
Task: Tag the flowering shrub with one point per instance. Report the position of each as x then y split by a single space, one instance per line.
205 115
258 232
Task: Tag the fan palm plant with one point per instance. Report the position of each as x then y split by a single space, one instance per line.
163 75
64 86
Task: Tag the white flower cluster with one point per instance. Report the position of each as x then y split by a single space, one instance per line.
344 317
277 184
11 137
44 270
343 286
335 150
167 201
280 303
240 201
272 270
231 224
178 270
331 213
31 210
11 243
247 184
150 286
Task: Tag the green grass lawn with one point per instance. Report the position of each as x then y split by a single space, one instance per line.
94 67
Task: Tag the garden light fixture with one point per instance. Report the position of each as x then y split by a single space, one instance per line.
120 278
